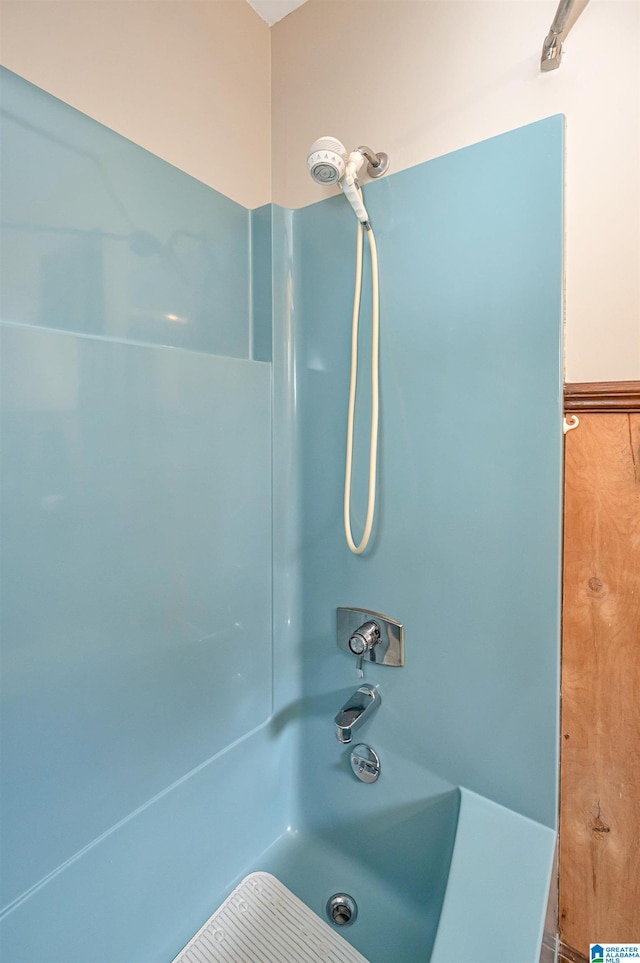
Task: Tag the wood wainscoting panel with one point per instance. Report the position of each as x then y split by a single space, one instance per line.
600 756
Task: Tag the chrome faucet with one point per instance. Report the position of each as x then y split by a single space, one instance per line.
361 705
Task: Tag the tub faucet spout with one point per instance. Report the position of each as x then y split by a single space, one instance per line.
360 707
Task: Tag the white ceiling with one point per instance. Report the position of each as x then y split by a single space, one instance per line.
273 10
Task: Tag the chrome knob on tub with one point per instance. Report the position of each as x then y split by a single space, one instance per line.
364 638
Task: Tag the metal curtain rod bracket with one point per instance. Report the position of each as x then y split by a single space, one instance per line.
552 47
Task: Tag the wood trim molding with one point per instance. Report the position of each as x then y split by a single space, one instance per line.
602 396
567 954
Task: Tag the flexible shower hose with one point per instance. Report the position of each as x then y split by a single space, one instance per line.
375 392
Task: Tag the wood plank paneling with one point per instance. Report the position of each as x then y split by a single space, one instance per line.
600 759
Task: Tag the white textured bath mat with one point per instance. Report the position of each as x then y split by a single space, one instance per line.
263 922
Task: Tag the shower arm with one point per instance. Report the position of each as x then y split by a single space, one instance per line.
378 164
552 47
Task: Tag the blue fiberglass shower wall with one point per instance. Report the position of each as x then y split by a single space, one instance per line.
169 655
466 540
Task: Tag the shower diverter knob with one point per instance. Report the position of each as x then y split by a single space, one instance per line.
369 635
364 638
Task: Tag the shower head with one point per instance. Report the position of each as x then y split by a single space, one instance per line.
329 163
326 160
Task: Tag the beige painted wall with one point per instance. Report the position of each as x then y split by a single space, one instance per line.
419 78
189 80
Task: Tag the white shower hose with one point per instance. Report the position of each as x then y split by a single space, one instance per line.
375 346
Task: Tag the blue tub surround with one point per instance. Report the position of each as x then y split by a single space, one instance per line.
467 543
466 547
136 517
499 856
174 387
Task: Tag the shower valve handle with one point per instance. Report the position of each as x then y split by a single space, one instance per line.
364 638
370 636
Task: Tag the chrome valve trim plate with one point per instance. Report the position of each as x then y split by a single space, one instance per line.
388 649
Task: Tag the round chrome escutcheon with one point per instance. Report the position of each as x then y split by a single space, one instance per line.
365 763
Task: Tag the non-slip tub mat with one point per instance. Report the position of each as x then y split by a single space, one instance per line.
263 922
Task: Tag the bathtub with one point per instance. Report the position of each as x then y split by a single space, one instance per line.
394 864
439 874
